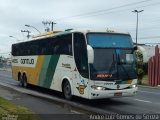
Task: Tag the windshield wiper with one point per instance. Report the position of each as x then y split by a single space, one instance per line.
119 63
114 67
125 70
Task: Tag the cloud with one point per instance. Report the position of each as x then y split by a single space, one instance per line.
75 14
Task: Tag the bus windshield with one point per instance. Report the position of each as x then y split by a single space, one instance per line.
109 40
113 57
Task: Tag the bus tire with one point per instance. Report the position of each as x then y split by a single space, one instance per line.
20 80
67 90
25 84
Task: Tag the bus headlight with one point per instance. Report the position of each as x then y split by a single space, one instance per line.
97 87
134 86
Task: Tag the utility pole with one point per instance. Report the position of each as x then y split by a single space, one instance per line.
45 23
137 11
27 31
53 25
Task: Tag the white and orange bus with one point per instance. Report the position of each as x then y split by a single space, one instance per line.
89 64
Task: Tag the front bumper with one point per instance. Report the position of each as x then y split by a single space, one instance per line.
101 94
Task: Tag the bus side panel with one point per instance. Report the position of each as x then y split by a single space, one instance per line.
81 84
48 70
66 69
15 71
63 71
41 73
32 73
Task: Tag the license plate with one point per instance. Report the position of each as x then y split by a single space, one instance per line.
117 94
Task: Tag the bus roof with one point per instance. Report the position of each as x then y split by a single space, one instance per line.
85 31
54 33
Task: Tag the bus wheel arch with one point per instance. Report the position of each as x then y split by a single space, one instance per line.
19 76
67 89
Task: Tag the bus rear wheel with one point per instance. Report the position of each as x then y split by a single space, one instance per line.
25 84
20 80
67 90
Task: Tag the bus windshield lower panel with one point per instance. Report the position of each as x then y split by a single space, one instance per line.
113 64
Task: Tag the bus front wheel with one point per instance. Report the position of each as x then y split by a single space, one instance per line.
67 90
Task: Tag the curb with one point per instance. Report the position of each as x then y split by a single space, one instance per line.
73 106
156 87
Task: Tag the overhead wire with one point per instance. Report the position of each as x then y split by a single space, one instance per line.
104 10
118 9
121 11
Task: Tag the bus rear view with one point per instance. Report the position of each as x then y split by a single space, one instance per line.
113 66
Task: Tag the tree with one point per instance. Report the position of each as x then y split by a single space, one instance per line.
140 65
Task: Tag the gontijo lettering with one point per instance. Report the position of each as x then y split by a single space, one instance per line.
27 61
14 60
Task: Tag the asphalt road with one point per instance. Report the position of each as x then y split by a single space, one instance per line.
46 109
147 100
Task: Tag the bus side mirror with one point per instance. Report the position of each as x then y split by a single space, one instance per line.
90 52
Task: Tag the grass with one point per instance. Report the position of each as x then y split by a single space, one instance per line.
145 77
8 109
145 80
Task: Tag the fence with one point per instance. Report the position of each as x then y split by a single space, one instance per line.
154 68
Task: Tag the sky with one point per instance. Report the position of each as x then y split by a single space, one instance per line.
78 14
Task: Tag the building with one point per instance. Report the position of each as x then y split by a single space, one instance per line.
147 50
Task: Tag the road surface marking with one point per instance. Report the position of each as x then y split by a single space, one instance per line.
75 112
143 100
148 92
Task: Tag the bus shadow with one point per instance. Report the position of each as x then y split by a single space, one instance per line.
100 103
45 91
